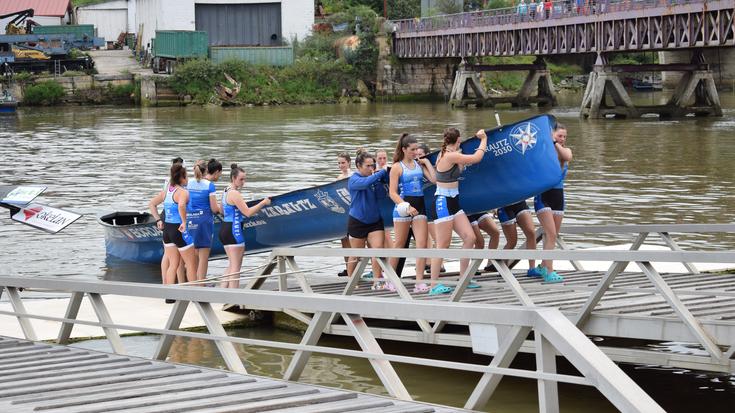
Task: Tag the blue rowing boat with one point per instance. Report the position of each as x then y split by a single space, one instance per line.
521 162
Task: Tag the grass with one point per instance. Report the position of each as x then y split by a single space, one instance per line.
45 93
512 81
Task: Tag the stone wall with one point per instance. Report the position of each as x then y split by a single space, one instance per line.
413 76
721 61
74 84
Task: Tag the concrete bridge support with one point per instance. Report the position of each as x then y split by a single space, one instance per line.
467 79
696 94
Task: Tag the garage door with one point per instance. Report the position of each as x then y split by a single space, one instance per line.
240 24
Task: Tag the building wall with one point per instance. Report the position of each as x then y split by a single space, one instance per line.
110 19
297 16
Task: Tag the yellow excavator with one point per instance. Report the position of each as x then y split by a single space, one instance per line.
19 25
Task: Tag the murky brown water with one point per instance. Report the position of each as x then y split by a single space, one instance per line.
97 160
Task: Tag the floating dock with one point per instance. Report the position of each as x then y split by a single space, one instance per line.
51 378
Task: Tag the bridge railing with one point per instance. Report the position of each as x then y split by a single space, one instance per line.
520 14
498 330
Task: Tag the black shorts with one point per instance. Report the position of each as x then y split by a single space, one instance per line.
446 207
360 230
475 219
508 214
415 201
231 235
173 237
553 200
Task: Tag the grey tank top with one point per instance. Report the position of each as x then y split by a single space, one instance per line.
450 176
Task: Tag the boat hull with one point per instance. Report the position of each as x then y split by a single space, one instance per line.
8 107
520 163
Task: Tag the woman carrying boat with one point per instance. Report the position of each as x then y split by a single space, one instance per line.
180 272
484 221
407 176
345 171
365 225
449 215
381 161
177 241
234 208
201 209
518 215
549 205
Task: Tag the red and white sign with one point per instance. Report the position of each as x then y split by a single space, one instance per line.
45 217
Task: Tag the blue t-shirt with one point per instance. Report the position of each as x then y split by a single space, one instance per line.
199 193
365 192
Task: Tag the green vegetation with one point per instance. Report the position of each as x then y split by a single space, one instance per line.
306 81
319 74
634 58
46 93
78 3
122 92
397 9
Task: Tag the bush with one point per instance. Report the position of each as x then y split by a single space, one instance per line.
45 93
122 92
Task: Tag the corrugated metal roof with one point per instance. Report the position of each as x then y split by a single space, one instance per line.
55 8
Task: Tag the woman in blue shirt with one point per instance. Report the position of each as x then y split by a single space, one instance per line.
177 241
365 225
407 176
201 209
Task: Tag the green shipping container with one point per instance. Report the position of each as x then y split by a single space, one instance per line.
80 30
268 56
180 44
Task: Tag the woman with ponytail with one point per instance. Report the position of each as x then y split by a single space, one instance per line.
406 190
365 225
177 241
202 207
234 209
449 216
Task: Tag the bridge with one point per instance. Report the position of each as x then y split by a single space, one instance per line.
602 27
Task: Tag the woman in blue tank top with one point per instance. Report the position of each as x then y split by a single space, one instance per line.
549 206
449 215
406 190
234 209
176 239
201 209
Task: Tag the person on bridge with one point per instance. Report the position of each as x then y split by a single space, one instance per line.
234 209
549 205
365 225
407 176
532 9
449 216
522 8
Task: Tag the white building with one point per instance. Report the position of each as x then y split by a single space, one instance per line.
109 18
47 12
228 22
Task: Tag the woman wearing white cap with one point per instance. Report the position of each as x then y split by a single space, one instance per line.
406 190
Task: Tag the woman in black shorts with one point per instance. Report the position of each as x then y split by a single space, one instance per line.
365 225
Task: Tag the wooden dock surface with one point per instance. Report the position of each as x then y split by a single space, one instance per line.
52 378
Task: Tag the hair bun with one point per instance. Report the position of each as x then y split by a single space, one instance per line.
233 166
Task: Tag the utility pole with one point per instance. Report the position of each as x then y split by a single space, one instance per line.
385 9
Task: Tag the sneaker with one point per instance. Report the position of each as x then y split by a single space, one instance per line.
342 273
537 271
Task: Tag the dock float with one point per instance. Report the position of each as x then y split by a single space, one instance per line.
52 378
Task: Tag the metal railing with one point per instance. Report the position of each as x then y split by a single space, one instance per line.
498 330
514 15
282 265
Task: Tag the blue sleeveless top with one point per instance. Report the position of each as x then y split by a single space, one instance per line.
199 193
171 207
564 170
232 212
411 183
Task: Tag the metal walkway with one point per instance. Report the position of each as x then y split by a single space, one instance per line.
53 378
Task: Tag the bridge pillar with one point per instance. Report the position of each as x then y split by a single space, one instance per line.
468 78
695 94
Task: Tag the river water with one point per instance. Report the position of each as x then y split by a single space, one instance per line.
96 160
